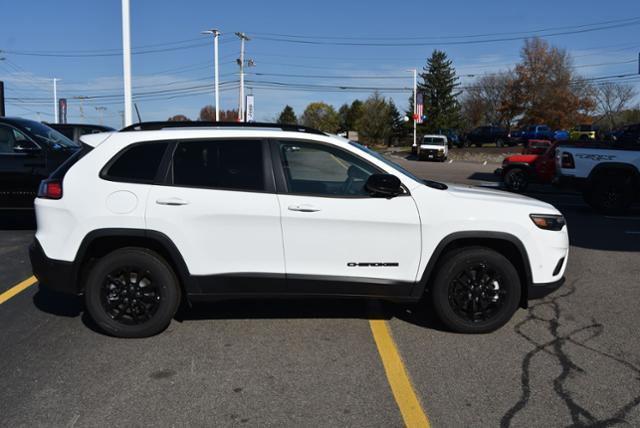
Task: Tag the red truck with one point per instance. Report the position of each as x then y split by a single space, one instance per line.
535 164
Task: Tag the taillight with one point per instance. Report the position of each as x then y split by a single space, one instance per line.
566 161
50 189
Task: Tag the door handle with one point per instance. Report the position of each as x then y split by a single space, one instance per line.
172 201
304 208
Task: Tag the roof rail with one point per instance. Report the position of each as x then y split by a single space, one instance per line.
155 126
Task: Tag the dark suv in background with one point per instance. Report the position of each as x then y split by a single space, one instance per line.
489 134
74 131
29 152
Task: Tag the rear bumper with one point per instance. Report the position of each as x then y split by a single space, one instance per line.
52 274
538 291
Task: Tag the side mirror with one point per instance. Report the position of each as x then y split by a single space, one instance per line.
383 185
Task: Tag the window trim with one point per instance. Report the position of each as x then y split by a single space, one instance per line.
165 177
281 176
103 172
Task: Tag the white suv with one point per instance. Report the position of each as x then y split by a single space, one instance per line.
143 219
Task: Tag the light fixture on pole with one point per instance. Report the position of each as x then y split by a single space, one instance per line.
126 63
215 34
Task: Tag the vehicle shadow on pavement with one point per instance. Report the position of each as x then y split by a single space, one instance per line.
62 305
17 219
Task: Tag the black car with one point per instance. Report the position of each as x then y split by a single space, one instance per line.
29 152
74 131
489 134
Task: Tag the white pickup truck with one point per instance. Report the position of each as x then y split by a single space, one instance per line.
608 174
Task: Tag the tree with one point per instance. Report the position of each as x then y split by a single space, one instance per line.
228 115
349 115
485 100
179 118
375 125
545 88
612 99
439 87
207 113
287 116
321 116
397 123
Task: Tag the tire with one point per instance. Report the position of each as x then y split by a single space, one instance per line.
117 277
516 180
449 295
610 195
584 138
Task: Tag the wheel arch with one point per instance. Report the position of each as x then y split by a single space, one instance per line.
100 242
522 165
506 244
614 169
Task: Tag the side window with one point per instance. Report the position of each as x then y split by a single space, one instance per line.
136 164
232 165
318 169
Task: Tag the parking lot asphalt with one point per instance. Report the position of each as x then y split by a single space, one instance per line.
571 359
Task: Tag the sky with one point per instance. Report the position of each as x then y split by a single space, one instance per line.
331 51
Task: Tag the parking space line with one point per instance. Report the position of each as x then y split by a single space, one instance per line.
397 376
17 289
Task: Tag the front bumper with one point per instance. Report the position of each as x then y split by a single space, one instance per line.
431 154
538 291
52 274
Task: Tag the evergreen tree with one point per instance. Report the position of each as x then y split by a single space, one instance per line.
350 115
440 90
287 116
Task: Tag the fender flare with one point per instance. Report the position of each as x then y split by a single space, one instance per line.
421 286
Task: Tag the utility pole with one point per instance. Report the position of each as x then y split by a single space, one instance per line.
2 110
101 110
81 98
215 34
126 62
415 106
55 100
242 37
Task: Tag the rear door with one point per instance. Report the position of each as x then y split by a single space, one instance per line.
218 205
337 238
22 166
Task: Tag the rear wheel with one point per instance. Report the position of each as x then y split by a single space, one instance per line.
610 195
476 290
132 292
516 179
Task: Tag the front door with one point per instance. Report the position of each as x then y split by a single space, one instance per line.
22 166
337 238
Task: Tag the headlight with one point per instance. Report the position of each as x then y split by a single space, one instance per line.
548 221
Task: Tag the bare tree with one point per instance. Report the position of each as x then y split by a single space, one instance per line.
612 98
486 98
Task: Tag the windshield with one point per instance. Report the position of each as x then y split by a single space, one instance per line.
44 134
434 141
397 167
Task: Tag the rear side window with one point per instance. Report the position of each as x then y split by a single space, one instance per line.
136 164
232 165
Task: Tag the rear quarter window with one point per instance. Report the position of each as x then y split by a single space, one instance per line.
138 163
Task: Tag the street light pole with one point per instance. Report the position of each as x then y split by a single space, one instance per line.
215 34
126 62
242 37
55 100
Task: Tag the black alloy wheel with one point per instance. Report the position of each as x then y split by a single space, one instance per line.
130 296
516 179
476 293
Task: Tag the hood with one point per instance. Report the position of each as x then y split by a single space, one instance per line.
521 159
498 196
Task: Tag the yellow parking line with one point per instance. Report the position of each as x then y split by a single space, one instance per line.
397 376
17 289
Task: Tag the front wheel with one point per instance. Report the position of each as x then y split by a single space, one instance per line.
516 180
476 290
610 195
132 292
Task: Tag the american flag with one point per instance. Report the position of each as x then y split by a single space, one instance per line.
419 108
